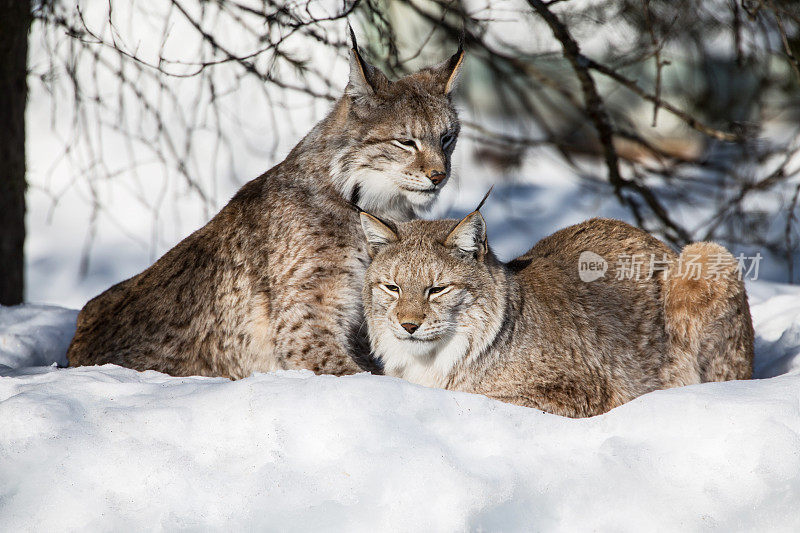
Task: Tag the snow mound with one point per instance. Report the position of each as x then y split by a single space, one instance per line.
111 449
776 319
35 335
108 448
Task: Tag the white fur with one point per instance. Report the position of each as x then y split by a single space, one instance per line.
377 235
385 289
412 149
424 363
469 234
380 192
432 363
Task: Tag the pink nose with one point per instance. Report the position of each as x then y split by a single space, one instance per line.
436 177
410 327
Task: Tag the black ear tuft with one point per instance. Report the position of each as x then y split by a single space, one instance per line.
485 197
353 41
446 73
365 80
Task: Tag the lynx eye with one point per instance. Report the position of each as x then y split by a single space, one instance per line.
406 143
433 292
394 290
447 140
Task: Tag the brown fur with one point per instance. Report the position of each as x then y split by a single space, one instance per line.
533 333
274 280
709 316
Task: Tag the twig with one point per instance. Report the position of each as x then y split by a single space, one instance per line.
591 98
656 57
684 116
597 113
790 218
793 61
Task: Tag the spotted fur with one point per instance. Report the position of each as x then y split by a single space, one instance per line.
442 311
274 280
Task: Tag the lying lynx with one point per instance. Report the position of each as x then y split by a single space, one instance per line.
274 280
442 311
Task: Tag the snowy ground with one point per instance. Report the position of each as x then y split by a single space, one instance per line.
107 448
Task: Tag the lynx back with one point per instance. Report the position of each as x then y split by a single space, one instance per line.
443 311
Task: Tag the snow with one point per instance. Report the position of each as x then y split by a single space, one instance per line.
35 335
108 448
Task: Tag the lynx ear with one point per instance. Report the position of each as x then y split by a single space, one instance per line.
378 233
447 72
365 80
469 236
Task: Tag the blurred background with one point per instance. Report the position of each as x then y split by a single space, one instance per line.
143 118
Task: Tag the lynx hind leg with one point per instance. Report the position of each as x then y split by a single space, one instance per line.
707 318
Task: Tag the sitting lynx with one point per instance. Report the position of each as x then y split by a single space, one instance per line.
443 311
274 280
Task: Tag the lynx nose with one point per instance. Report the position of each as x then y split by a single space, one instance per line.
410 327
436 176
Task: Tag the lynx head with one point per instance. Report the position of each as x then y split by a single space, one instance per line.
433 294
399 136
